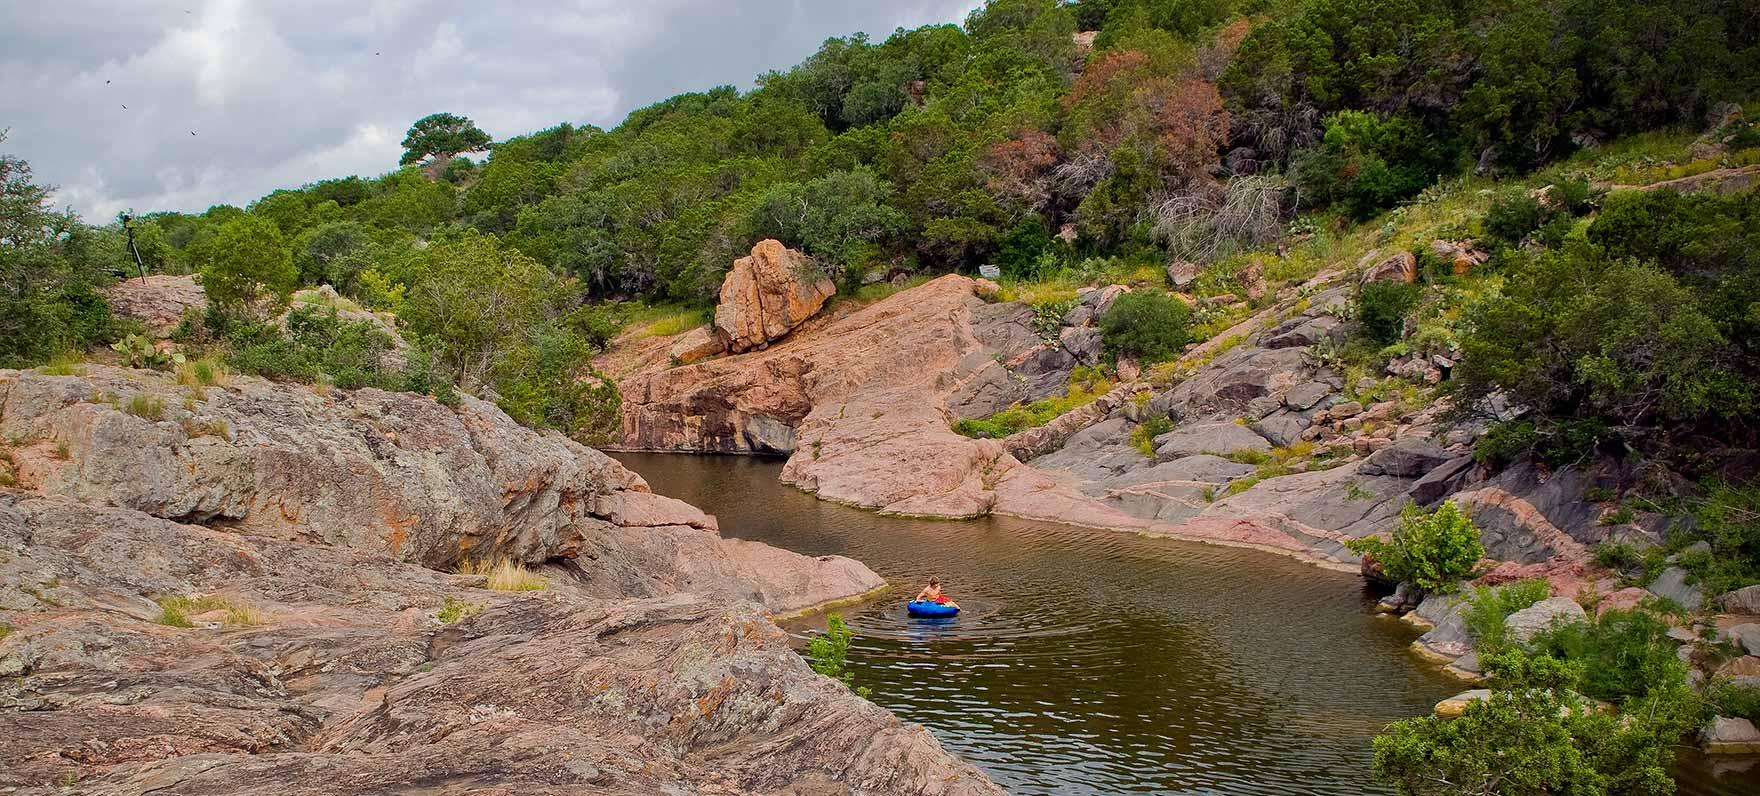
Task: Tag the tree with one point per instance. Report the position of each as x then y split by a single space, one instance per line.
49 265
474 300
245 263
441 135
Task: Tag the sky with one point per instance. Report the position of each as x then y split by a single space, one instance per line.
148 105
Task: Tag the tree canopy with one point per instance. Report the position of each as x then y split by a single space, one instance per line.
441 135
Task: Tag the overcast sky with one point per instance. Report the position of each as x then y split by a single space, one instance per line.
229 99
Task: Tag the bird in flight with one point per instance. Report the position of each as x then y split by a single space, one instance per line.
125 107
192 132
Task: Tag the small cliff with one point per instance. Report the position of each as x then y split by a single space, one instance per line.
321 645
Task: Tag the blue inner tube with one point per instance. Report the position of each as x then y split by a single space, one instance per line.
926 608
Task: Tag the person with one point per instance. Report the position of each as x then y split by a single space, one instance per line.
932 593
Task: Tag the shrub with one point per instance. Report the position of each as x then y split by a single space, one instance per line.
246 262
828 654
1623 654
1490 606
1382 307
1730 699
1143 436
1146 324
1432 549
1536 736
1512 217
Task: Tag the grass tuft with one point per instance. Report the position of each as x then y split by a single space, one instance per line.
144 406
453 610
506 575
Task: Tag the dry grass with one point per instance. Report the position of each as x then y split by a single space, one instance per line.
505 575
669 321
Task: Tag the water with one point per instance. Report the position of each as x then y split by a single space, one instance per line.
1097 662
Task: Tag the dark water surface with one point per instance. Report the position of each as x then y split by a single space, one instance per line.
1097 662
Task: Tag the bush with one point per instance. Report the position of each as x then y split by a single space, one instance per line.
1382 308
1490 606
828 654
1433 550
1536 736
1512 217
1146 324
1622 654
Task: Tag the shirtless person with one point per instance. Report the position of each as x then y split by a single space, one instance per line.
932 593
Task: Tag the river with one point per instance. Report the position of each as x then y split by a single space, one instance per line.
1097 662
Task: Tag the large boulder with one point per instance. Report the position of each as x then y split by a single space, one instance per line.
695 345
1673 584
1727 736
1219 439
1398 267
158 301
767 294
1527 623
1408 457
1745 600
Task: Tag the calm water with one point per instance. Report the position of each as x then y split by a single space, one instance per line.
1094 662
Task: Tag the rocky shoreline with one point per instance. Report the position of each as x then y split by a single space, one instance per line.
322 641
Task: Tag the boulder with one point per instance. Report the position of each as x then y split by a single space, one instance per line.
1727 736
767 294
1454 706
159 301
1745 600
1400 267
1672 584
1182 273
1303 397
1527 623
1442 480
1083 343
986 289
1303 331
1409 457
1220 439
1746 636
1446 637
1462 256
1281 428
695 345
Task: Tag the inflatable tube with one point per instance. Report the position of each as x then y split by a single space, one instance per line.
926 608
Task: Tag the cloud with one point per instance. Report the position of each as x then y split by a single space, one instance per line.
229 99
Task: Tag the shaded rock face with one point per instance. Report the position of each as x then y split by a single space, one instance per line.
159 301
767 294
347 681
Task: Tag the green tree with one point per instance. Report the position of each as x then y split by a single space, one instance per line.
828 653
441 135
473 300
50 265
246 266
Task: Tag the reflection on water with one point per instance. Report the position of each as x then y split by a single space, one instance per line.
1095 662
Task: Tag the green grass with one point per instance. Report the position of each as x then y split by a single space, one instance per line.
666 320
1143 436
204 372
144 406
5 630
1084 386
65 364
176 611
452 610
